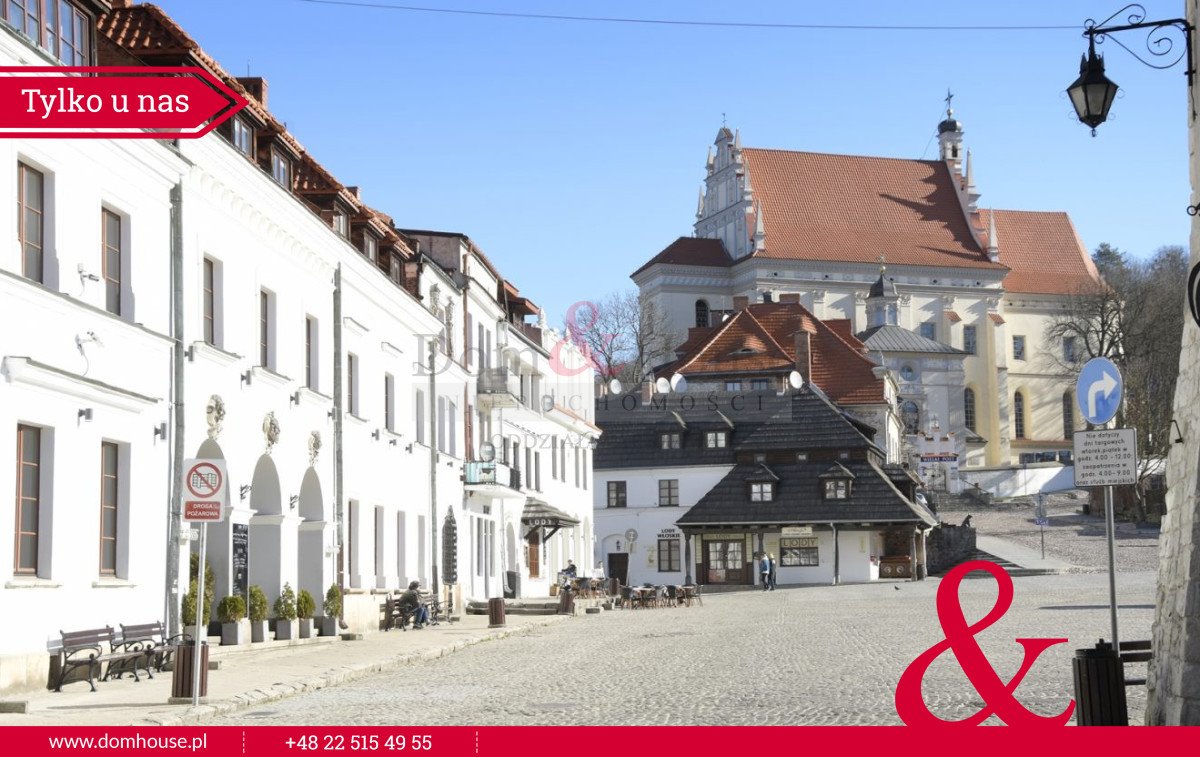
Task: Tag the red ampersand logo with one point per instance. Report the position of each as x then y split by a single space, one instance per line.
960 637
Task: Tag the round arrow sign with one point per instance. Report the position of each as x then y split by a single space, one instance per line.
1098 390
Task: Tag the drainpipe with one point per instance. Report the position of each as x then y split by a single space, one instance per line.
433 460
837 568
338 484
171 589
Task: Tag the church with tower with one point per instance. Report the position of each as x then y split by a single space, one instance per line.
953 299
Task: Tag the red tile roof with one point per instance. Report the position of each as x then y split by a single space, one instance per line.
692 251
853 209
1044 252
839 366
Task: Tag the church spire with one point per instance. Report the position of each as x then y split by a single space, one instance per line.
993 245
950 134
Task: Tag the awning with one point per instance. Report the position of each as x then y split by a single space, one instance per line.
538 514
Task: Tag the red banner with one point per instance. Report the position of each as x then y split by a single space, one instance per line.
579 741
113 102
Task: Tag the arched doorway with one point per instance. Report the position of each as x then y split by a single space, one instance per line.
272 532
220 548
313 570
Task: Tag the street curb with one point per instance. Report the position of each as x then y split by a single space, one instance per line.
196 715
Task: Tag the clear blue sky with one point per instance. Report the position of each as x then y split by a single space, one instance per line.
572 152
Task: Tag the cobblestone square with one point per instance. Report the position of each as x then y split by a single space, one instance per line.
798 656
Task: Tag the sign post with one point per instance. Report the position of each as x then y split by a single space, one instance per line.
1041 520
204 484
1105 457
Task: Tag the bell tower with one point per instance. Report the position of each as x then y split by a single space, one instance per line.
950 136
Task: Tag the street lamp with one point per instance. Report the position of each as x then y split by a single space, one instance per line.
1092 93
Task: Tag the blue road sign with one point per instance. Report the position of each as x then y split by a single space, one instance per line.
1098 390
1042 521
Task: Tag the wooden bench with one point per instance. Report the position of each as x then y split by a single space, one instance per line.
1135 651
152 640
87 648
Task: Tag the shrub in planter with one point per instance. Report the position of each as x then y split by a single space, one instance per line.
305 607
231 612
189 607
285 614
333 610
258 614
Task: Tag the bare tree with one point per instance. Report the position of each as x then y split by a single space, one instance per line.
621 334
1135 318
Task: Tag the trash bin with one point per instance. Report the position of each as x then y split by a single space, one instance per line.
566 601
181 680
1099 686
496 612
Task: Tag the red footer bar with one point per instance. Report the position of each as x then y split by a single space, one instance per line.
575 741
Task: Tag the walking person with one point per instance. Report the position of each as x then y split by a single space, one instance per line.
771 581
764 568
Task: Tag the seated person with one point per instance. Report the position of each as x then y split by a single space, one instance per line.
410 602
570 571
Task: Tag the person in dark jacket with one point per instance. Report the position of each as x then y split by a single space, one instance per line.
771 577
410 602
764 568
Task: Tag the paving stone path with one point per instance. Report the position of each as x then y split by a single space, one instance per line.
798 656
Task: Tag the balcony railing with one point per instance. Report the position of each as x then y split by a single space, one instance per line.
498 381
479 472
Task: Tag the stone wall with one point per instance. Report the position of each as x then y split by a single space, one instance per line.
947 546
1174 680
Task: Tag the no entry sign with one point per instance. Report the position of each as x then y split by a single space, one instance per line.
204 483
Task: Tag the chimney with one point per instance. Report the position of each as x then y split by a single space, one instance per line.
803 342
740 302
121 3
791 298
354 191
256 86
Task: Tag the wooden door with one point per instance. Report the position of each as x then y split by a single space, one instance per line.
618 566
533 548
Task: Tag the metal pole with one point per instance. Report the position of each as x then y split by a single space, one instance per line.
199 616
1112 565
1043 530
174 506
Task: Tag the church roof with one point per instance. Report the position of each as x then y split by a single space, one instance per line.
1044 252
898 339
852 208
692 251
839 367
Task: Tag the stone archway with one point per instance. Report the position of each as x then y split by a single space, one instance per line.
313 571
218 552
272 532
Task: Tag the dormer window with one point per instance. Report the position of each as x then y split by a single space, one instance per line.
715 440
802 457
55 26
837 488
281 169
341 224
243 137
670 441
395 272
370 248
762 492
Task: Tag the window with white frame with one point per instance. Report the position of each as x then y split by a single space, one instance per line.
762 492
715 439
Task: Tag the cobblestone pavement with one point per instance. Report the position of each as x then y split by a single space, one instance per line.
1071 536
802 655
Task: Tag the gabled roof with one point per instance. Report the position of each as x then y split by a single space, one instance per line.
890 338
1044 252
692 251
799 498
839 366
763 422
852 208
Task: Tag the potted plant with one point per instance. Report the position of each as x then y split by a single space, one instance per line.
258 614
285 614
305 608
210 583
333 610
232 613
189 608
